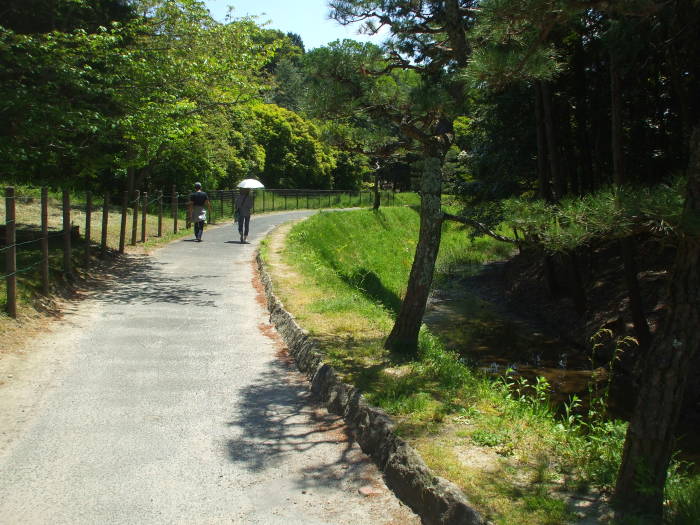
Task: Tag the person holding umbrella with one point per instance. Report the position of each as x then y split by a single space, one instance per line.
244 204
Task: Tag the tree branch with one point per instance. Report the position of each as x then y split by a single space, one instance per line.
479 226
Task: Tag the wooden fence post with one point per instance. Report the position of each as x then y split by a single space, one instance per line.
88 226
221 198
173 205
263 199
105 221
273 201
160 213
67 263
11 256
144 216
45 241
307 200
233 203
122 229
135 217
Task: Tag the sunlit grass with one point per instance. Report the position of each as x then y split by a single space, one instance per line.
343 275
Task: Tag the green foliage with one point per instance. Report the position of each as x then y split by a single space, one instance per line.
294 155
577 221
683 495
508 40
42 16
78 103
349 171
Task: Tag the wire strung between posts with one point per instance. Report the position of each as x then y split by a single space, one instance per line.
50 236
22 270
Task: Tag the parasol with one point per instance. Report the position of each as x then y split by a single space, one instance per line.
250 183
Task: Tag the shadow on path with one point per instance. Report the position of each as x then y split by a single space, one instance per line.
277 419
142 281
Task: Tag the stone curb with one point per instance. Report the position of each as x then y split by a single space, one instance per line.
436 500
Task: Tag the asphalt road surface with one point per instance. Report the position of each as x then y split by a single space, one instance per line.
168 398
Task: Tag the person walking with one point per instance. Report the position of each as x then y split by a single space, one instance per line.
197 205
244 203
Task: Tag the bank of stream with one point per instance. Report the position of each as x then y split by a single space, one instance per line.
492 338
495 341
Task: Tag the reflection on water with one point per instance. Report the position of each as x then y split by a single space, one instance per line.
495 343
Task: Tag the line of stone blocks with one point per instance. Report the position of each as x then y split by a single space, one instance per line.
436 500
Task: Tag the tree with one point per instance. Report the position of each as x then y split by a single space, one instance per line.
650 434
78 104
65 16
430 39
616 57
295 157
184 66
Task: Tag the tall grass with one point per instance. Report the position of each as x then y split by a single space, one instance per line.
354 268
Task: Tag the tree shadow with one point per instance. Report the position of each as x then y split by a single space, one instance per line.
277 418
143 281
369 283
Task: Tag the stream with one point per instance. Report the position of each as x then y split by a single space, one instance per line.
494 342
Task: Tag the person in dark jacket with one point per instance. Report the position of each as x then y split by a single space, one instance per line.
244 203
197 206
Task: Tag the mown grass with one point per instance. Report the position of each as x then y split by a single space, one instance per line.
505 447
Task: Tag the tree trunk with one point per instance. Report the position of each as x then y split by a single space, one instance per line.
649 441
404 335
545 188
130 182
552 142
641 326
581 116
376 190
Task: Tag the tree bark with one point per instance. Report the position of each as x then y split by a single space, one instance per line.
545 188
581 116
552 142
649 440
627 247
377 198
404 335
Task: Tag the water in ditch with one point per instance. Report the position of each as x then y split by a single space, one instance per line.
495 342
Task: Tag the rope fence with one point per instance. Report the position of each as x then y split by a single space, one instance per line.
29 235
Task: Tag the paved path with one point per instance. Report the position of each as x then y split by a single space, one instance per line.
168 398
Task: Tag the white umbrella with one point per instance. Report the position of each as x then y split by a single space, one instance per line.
250 183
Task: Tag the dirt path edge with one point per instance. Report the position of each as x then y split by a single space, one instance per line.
436 500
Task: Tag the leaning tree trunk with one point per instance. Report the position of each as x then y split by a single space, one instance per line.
404 336
649 441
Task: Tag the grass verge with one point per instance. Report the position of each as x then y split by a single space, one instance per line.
343 274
